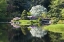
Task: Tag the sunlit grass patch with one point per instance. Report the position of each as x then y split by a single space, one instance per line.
59 28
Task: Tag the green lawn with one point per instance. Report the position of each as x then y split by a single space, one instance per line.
27 22
59 28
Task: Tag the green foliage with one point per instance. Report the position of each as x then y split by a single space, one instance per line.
62 36
55 37
56 9
44 15
60 22
3 6
39 21
62 13
28 13
3 33
54 20
3 36
24 15
25 30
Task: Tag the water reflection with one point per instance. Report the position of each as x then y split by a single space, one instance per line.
16 35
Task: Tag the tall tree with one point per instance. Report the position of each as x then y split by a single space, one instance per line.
56 7
3 6
24 17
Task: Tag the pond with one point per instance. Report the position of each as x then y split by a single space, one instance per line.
9 34
16 35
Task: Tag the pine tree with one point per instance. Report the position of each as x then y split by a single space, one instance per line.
24 15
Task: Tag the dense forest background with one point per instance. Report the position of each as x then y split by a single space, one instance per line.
13 8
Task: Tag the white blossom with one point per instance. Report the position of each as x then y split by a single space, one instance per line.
38 10
37 32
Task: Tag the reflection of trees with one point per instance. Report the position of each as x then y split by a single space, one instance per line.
23 17
24 30
39 21
55 37
32 22
4 32
3 6
35 39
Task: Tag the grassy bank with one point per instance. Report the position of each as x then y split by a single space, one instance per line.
59 28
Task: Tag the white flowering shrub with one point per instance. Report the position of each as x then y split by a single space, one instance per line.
38 10
37 32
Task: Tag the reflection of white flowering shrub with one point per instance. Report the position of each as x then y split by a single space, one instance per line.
15 24
38 10
37 32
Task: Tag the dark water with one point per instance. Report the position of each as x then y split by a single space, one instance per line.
16 35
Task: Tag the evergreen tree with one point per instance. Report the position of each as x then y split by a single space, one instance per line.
24 15
25 30
3 6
